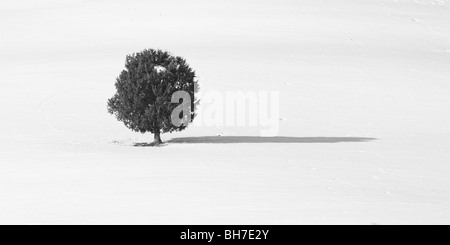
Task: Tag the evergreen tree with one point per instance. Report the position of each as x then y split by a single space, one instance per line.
143 101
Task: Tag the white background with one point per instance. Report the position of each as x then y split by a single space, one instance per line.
344 68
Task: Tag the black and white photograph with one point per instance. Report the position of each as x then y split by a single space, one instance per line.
214 112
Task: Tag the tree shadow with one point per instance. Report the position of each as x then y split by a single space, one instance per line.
148 145
262 140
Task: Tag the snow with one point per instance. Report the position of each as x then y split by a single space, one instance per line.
364 96
160 69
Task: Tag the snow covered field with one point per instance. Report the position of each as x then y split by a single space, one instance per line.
364 109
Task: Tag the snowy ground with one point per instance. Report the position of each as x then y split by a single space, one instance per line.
364 88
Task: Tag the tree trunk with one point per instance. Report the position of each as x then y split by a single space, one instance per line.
157 140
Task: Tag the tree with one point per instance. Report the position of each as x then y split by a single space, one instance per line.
143 101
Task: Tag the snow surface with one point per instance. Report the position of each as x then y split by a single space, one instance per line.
364 89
